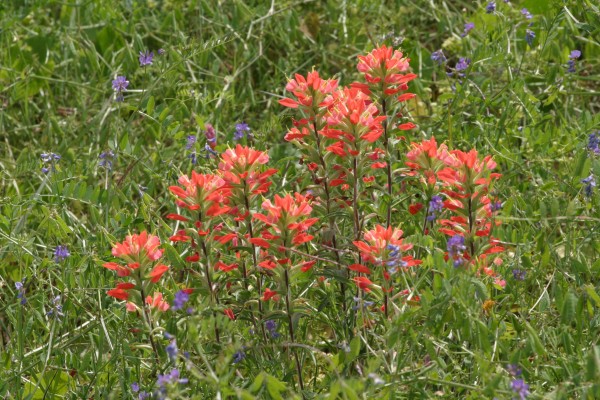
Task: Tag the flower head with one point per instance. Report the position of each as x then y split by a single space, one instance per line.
181 297
491 7
456 248
384 246
438 57
241 168
61 253
526 13
142 248
529 36
106 159
204 193
384 69
20 286
241 129
146 58
211 136
120 84
56 308
520 388
156 301
575 54
594 143
519 274
309 92
590 184
468 27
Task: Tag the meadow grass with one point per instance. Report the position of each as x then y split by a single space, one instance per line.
228 62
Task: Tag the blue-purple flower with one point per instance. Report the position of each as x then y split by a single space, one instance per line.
529 36
106 159
456 248
520 388
146 58
462 64
514 370
526 13
61 253
271 326
436 205
191 141
49 160
172 350
238 356
468 27
590 184
574 55
519 274
180 299
241 129
119 86
438 57
56 308
20 286
594 143
491 7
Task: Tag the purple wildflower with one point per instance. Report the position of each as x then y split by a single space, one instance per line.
239 356
172 350
456 248
395 258
191 141
436 205
438 57
468 27
180 299
361 303
211 135
590 185
161 51
144 395
519 274
526 13
20 286
49 160
170 378
120 84
594 143
240 131
271 326
575 54
529 36
56 310
61 253
491 7
135 387
520 388
106 159
146 58
462 64
514 370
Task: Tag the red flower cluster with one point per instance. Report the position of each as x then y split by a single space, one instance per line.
140 253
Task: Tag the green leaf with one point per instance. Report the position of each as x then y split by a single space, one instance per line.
150 106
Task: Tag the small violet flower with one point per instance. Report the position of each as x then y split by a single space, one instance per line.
271 326
61 253
491 7
240 131
49 160
594 143
529 36
590 184
526 13
239 356
520 388
436 205
191 141
119 86
180 299
468 27
172 350
106 159
20 286
519 274
56 310
135 387
575 54
146 58
456 248
514 370
438 57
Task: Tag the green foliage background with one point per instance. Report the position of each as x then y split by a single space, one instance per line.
229 61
